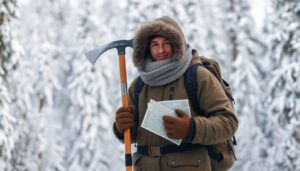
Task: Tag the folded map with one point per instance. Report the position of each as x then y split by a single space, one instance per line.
153 121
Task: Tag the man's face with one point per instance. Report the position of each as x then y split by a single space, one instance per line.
160 48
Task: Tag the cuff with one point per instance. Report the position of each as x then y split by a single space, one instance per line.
200 130
117 133
192 131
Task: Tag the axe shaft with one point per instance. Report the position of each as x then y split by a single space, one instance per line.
93 56
127 138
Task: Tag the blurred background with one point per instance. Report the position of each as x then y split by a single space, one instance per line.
57 110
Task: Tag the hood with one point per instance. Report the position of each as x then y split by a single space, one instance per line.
163 26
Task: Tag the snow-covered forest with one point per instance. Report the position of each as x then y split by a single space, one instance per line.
57 110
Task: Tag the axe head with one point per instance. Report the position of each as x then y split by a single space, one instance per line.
120 45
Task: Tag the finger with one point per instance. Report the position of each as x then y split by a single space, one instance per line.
125 121
180 113
122 120
124 115
169 134
169 129
168 126
127 126
124 127
169 119
173 136
125 109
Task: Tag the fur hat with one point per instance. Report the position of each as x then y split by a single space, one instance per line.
163 26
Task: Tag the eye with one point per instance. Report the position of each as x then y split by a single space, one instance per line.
167 42
153 44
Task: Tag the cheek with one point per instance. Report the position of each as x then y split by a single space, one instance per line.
169 50
154 52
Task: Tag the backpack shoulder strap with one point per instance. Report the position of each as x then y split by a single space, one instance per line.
138 88
137 91
191 87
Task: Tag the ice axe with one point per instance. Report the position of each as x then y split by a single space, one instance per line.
93 56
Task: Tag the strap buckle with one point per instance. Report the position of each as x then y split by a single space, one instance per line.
154 151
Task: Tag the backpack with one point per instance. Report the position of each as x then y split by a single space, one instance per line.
221 159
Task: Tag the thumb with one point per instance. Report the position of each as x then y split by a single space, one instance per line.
180 113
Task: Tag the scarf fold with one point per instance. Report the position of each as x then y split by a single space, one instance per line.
158 73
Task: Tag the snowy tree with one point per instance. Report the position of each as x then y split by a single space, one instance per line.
283 96
57 110
8 58
247 52
207 30
38 73
9 55
92 93
6 129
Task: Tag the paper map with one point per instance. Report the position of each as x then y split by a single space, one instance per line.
156 110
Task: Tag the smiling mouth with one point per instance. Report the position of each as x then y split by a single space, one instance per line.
162 57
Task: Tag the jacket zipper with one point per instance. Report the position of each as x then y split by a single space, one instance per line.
171 95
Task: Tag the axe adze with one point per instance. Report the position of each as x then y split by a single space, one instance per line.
93 56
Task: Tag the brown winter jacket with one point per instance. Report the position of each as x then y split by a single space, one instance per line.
218 124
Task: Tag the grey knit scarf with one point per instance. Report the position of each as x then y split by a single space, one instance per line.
158 73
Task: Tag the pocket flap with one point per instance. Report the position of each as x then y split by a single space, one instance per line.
183 159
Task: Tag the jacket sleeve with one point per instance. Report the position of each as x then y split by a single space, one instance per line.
218 123
131 102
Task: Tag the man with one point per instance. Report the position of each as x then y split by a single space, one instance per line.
162 55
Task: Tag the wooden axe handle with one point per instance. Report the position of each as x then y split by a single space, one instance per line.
127 138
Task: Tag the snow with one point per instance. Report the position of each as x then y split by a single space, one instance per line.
57 110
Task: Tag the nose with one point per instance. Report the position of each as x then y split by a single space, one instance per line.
161 49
